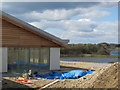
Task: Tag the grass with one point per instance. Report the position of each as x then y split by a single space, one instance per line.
90 55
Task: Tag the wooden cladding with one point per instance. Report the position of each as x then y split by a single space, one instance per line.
14 36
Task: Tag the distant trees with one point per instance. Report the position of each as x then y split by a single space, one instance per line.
102 51
79 49
90 48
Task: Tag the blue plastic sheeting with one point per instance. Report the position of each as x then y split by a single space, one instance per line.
74 74
41 64
35 64
20 62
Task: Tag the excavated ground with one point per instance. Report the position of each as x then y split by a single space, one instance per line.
105 76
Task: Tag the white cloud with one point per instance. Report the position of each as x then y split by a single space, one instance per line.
57 14
109 4
61 14
94 14
87 20
66 25
108 26
81 31
76 24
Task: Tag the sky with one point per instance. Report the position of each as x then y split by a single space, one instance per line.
80 22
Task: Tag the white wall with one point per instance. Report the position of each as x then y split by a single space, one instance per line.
4 59
54 58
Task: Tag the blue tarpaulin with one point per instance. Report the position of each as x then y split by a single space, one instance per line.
74 74
24 62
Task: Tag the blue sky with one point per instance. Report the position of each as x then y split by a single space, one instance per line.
80 22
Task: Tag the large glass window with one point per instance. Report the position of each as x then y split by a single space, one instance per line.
12 59
34 59
44 59
24 59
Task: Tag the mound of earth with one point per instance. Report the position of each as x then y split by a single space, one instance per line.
105 77
108 79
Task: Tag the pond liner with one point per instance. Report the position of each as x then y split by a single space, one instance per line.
74 74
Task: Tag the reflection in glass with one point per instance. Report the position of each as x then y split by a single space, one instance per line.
12 59
44 60
24 59
34 59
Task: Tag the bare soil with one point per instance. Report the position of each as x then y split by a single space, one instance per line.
105 76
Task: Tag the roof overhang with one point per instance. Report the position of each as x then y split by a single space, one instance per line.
33 29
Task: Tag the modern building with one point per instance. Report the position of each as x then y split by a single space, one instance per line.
25 47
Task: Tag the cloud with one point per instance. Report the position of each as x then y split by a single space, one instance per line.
94 14
41 6
74 21
57 10
86 20
61 14
109 4
66 25
82 31
50 14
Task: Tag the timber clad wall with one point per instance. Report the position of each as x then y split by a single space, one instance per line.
13 35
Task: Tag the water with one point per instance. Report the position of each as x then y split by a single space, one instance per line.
90 59
115 53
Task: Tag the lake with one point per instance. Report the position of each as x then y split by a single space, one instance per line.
115 53
90 59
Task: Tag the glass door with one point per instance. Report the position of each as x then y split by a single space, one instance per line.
34 59
12 59
23 59
44 59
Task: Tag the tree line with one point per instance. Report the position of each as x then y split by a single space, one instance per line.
96 49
